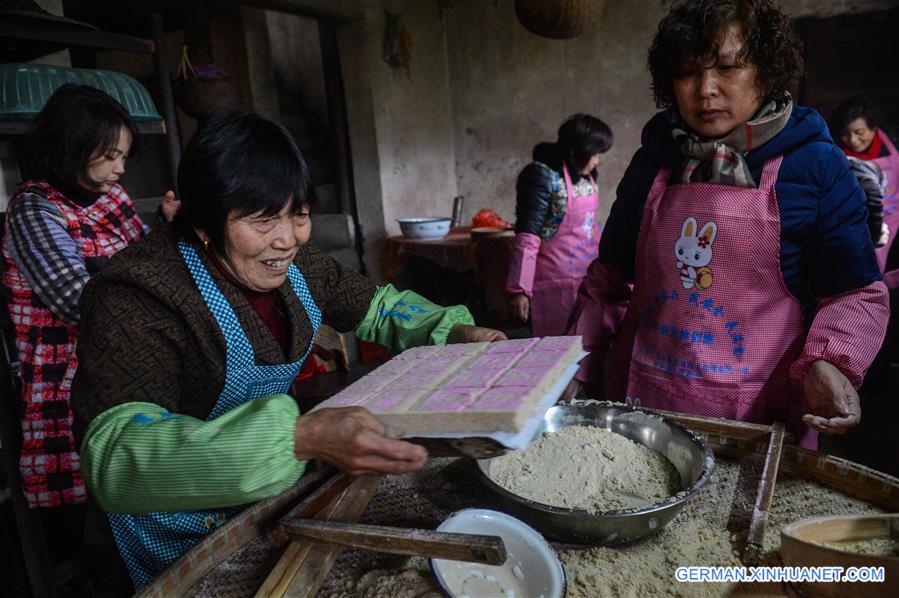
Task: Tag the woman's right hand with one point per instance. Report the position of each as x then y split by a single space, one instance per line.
520 306
351 439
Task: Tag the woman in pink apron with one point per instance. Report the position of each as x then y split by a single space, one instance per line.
557 227
756 294
854 127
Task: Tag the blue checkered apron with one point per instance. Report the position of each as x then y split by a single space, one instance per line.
149 543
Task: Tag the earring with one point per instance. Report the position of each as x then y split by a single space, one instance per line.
205 245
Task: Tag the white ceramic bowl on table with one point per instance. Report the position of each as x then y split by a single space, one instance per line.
424 228
531 567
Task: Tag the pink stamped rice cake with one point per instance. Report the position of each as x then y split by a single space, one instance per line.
474 388
518 345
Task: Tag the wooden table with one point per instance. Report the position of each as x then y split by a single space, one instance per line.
486 258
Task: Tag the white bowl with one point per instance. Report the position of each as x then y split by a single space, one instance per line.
531 570
425 228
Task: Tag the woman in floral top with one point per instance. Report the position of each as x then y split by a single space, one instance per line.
557 233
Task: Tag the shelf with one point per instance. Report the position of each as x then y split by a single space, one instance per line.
12 28
23 127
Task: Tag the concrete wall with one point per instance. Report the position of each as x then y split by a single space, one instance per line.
413 120
400 123
511 89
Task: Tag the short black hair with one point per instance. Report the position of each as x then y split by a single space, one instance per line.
691 32
848 111
239 163
76 122
582 136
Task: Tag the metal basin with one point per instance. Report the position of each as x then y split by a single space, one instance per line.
689 454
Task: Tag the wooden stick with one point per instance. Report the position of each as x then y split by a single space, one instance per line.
763 499
311 505
304 566
472 548
714 425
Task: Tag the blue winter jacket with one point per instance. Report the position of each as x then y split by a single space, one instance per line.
825 246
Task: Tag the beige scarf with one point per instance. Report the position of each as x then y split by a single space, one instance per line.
721 160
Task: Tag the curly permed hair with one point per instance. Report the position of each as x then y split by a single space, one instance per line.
689 37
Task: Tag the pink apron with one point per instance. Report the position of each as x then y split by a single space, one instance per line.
889 164
711 328
562 263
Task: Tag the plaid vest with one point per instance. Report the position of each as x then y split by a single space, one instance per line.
46 345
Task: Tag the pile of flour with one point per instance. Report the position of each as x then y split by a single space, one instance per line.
710 530
588 468
882 547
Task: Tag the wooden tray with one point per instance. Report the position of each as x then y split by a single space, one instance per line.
730 439
801 547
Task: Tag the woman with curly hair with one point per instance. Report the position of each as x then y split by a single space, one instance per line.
735 268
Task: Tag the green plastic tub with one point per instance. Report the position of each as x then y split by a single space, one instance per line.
24 89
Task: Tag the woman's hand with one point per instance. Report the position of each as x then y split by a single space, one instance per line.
170 206
463 333
884 235
520 306
570 391
351 439
834 402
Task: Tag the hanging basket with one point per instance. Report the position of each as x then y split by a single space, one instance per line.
558 19
203 89
199 98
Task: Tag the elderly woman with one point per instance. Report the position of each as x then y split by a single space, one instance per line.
756 294
854 127
557 229
191 338
875 161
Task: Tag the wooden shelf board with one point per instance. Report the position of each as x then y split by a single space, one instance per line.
24 127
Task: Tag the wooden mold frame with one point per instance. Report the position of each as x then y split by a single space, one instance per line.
856 480
253 522
305 564
740 440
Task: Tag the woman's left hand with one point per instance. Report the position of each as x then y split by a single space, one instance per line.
835 404
463 333
170 206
